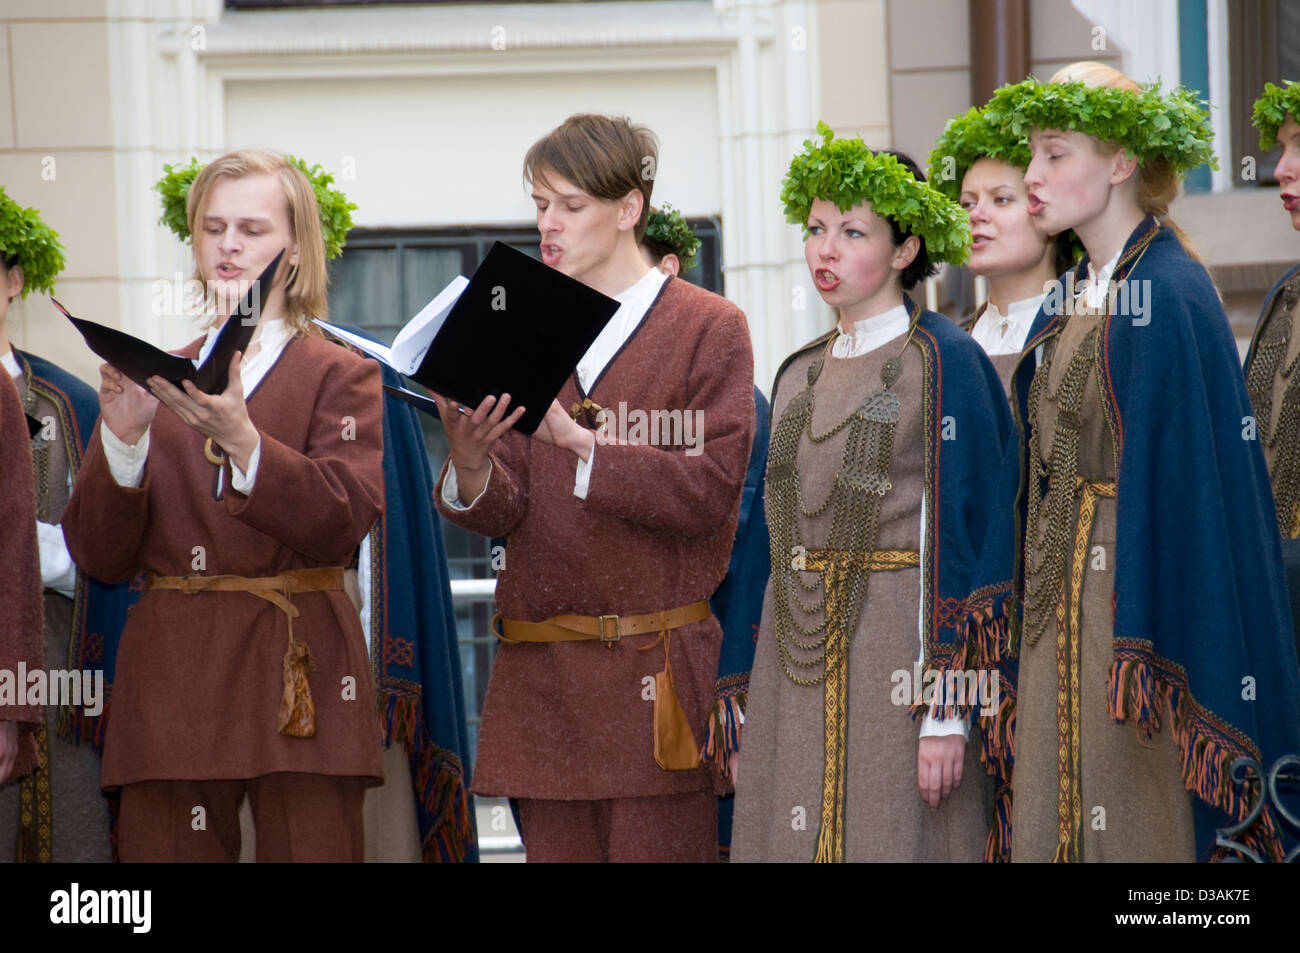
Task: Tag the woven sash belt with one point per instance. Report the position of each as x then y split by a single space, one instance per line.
297 712
1068 707
674 741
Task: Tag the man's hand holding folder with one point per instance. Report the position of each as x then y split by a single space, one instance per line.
516 327
208 396
472 434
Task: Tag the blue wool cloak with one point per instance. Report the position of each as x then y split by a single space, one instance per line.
1202 623
414 645
738 602
967 425
738 605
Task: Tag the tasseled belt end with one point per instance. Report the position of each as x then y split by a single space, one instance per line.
297 711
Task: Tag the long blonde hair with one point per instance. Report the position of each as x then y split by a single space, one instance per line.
1158 181
305 283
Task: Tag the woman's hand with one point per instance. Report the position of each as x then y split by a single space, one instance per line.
125 406
939 766
223 417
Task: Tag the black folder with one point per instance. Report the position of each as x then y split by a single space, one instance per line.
519 327
139 360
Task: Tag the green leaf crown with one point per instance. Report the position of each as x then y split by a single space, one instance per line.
1173 126
966 139
669 227
846 172
1272 108
335 209
31 244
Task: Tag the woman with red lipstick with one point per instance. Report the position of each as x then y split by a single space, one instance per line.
984 172
875 508
1152 645
241 509
1271 361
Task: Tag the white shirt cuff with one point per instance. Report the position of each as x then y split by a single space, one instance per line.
451 489
932 727
363 583
125 462
583 479
57 569
241 481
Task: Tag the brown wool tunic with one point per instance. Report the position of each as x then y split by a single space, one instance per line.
779 782
80 813
573 720
21 626
1146 811
1005 365
199 681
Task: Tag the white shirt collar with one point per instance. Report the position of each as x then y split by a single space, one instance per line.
271 332
1000 333
11 364
870 333
647 284
634 302
1095 288
274 334
1107 269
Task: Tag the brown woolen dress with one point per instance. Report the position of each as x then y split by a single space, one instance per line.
779 781
1134 803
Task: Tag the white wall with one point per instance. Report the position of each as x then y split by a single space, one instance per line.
448 150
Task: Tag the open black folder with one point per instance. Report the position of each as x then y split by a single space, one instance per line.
140 360
515 327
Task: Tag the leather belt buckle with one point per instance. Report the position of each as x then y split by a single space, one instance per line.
618 630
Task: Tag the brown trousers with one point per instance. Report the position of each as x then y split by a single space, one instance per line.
673 828
299 817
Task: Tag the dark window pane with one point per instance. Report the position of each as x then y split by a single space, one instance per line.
425 272
1288 41
364 291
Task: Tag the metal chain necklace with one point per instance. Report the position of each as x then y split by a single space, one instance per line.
854 500
40 458
1045 549
1267 360
1045 575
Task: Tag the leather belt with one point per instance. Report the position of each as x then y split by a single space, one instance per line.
605 628
275 589
674 741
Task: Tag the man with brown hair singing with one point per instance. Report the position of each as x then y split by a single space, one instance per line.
618 532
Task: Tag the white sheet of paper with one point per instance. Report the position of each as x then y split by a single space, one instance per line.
412 342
